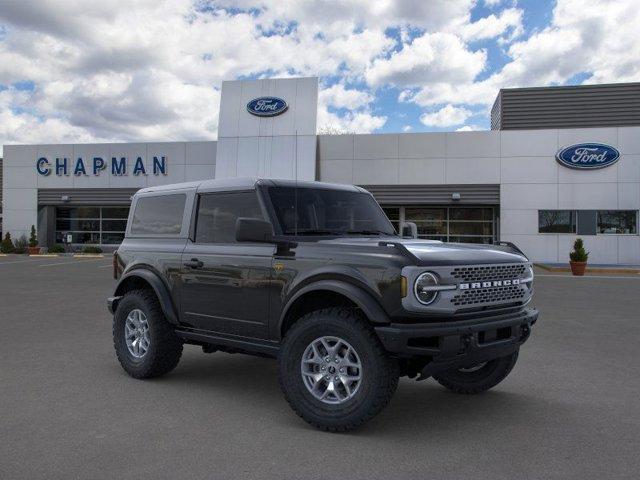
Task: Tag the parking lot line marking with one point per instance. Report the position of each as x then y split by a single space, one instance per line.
70 262
19 261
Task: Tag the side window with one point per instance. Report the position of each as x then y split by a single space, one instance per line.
159 215
218 212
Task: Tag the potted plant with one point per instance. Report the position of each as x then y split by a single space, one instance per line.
33 249
578 258
7 244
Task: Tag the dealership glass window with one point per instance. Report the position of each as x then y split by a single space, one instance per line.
91 225
218 212
556 221
158 215
453 224
393 214
618 222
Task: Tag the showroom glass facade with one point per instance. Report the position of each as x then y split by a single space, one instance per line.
91 225
468 224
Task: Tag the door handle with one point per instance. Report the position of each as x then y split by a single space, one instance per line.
194 263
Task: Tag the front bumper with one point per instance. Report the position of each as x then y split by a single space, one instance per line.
452 345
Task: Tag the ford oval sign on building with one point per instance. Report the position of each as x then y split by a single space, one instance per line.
588 156
267 106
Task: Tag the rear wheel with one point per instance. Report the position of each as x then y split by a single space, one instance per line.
333 370
478 378
145 343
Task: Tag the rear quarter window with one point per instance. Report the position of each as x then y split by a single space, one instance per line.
158 215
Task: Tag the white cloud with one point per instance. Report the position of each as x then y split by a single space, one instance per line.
447 116
151 69
340 97
433 57
509 22
407 128
469 128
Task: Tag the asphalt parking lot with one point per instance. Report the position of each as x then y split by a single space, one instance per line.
570 409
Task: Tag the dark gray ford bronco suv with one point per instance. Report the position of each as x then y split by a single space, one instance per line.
314 275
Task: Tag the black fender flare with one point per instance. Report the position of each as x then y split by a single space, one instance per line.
158 286
364 300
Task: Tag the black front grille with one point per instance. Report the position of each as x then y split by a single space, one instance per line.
489 295
486 273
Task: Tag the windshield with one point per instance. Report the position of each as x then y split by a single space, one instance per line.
328 212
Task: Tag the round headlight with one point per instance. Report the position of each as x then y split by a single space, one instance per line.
423 288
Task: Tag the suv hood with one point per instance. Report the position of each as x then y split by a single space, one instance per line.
431 252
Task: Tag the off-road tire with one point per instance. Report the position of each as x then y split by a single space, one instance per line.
165 347
380 373
481 380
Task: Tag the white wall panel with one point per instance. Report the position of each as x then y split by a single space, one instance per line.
629 196
375 172
587 196
413 171
200 153
529 143
335 147
473 144
629 168
473 170
336 171
571 136
529 170
376 146
532 196
629 249
629 140
518 222
422 145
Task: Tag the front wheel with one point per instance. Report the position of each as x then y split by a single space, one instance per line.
478 378
333 370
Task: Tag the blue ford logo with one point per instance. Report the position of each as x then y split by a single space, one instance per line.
588 156
267 106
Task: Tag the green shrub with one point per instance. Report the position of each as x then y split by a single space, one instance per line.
57 248
579 254
33 238
20 245
91 249
7 244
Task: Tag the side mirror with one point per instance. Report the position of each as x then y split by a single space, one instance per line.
409 229
253 230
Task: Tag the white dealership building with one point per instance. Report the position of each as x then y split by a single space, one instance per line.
559 162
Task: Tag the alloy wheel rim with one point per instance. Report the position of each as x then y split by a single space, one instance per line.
331 370
136 333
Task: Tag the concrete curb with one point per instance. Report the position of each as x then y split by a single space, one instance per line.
45 255
88 255
603 270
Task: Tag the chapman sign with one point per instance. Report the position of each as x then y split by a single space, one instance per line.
118 166
588 156
267 106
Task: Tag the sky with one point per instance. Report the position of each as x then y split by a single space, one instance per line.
75 71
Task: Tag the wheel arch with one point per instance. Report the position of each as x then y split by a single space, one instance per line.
337 292
144 278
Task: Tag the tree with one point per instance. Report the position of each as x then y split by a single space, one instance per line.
7 244
33 237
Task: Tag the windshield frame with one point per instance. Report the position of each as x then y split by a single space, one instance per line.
277 227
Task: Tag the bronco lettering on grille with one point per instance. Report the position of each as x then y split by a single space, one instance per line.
493 283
